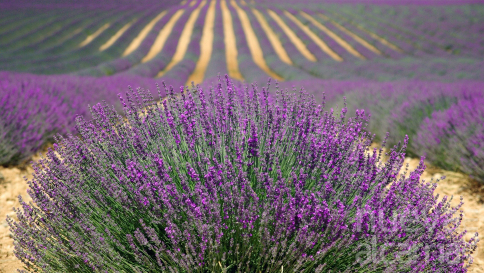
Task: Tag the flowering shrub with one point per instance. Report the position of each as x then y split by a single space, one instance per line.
453 138
231 180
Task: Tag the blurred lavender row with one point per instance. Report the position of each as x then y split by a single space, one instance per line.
444 121
34 108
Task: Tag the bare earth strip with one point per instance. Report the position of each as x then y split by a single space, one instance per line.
184 41
253 43
93 36
333 36
46 35
230 43
352 35
411 33
193 3
162 37
116 36
372 35
143 33
292 37
324 47
206 46
67 37
271 35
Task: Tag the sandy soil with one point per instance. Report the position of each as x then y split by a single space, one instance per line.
458 184
12 184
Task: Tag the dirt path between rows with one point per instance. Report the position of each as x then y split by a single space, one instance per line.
455 184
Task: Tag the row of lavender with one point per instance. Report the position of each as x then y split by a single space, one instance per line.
443 120
452 29
392 49
35 108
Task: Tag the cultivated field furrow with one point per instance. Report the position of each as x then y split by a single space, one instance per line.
162 37
407 45
272 36
273 51
206 46
73 51
184 41
253 42
353 41
314 44
38 36
9 20
294 46
8 41
23 26
230 41
248 68
161 60
425 45
295 40
135 44
333 35
89 55
182 70
94 35
350 34
405 27
58 37
325 42
218 61
193 3
116 36
374 39
371 33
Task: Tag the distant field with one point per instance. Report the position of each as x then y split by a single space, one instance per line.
196 40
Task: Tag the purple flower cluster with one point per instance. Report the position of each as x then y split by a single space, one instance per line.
35 108
232 179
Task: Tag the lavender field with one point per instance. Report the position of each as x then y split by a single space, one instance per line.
241 136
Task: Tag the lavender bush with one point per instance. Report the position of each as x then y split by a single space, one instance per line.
231 180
